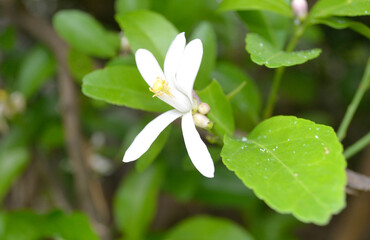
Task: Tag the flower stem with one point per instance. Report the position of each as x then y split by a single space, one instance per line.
357 146
299 30
235 91
364 85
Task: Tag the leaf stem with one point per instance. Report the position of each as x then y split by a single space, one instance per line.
364 85
235 91
299 30
357 146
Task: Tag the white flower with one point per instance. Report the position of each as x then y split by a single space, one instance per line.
175 87
299 8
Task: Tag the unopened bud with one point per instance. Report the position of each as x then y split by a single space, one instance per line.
204 108
195 105
202 121
299 8
17 101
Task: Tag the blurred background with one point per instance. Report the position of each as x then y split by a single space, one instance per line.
61 174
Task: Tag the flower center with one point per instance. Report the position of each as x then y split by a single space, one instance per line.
160 87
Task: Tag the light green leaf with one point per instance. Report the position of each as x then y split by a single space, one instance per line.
148 30
125 6
221 112
135 201
85 34
294 165
247 102
155 149
273 27
205 33
79 64
325 8
121 85
12 163
263 53
207 228
25 225
37 67
277 6
342 23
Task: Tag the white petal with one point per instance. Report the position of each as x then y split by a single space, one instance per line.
146 137
189 66
148 66
196 148
173 56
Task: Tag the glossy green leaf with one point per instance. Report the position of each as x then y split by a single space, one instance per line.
125 6
221 113
273 27
207 228
148 30
247 102
342 23
79 64
294 165
205 33
37 67
135 201
86 34
25 225
12 163
277 6
325 8
121 85
264 53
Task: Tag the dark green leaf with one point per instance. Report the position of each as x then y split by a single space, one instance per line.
148 30
278 6
206 33
341 23
294 165
121 85
12 163
325 8
263 53
37 67
125 6
221 112
86 34
7 38
247 102
136 200
207 228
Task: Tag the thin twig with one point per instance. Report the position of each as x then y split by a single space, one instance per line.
357 146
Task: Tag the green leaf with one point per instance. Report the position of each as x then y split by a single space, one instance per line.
342 23
25 225
12 163
277 6
135 201
273 27
221 112
37 67
125 6
79 64
207 228
263 53
247 102
155 149
207 35
294 165
7 38
121 85
85 34
325 8
148 30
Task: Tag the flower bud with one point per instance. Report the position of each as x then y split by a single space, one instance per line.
17 101
195 105
202 121
204 108
299 8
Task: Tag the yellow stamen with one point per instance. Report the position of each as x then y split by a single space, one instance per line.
160 86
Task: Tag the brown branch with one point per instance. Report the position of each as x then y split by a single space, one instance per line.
88 187
358 181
